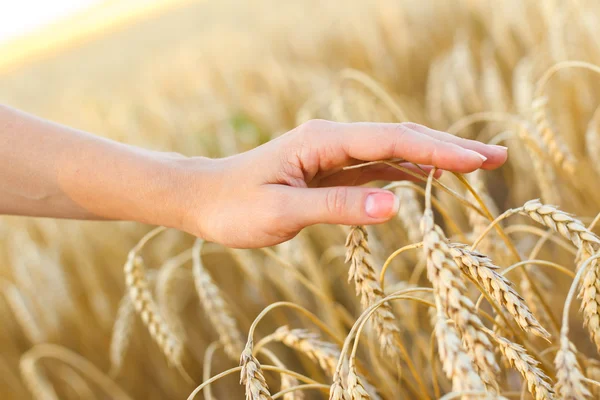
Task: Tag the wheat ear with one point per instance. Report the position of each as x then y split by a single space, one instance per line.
456 363
356 390
587 243
558 151
25 318
537 381
121 335
146 307
592 140
481 269
444 274
326 354
174 288
559 221
337 390
215 306
409 213
367 286
252 376
570 383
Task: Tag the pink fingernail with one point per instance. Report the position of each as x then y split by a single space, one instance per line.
483 158
381 204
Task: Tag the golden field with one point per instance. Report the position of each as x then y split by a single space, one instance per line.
464 308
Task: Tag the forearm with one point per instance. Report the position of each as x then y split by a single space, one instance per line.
53 171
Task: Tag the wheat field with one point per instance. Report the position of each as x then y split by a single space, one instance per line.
486 285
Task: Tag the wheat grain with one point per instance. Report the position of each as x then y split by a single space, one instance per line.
481 269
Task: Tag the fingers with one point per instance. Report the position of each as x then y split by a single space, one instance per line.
378 172
337 205
496 155
336 144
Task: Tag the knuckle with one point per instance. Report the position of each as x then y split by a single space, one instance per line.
411 126
314 126
401 130
336 199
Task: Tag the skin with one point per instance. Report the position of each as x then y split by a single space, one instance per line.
258 198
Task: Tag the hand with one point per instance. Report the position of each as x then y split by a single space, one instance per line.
267 195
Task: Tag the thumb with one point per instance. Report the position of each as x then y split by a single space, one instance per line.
341 205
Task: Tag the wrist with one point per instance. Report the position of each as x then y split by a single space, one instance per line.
181 186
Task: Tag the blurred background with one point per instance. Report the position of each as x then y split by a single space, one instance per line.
215 78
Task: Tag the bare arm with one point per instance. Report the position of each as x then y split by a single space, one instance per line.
258 198
51 170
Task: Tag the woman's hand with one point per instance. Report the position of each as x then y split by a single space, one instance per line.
267 195
259 198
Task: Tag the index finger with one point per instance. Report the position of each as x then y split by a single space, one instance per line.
338 144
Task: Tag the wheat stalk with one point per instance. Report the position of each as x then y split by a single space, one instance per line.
215 306
367 286
36 381
481 269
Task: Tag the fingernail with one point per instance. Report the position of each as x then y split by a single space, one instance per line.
381 204
499 147
483 158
